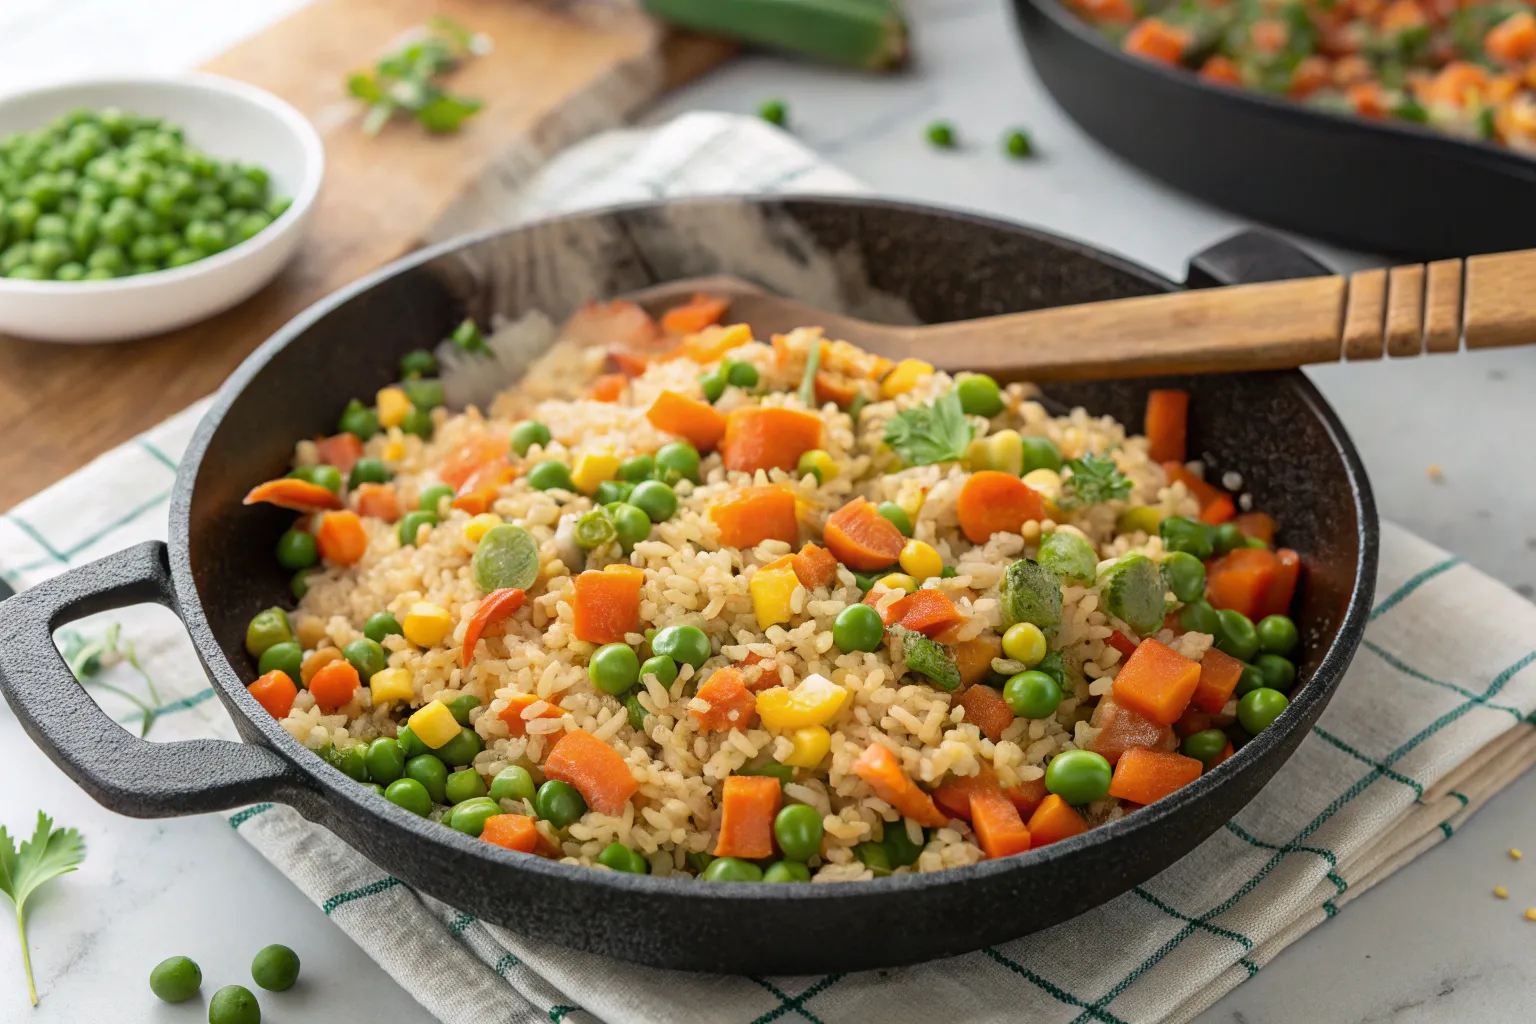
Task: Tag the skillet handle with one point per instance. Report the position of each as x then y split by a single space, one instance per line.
120 771
1251 257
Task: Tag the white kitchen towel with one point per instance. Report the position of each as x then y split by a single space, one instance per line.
1430 722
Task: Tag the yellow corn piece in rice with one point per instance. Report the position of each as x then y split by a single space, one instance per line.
593 468
434 724
478 526
813 702
906 375
393 405
391 684
810 746
426 624
771 591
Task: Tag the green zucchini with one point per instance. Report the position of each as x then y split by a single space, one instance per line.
868 34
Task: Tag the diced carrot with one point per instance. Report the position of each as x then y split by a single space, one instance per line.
986 709
1369 99
1268 35
953 795
731 704
512 714
1027 796
881 769
1122 643
497 606
1456 84
1222 70
1053 821
340 450
1282 587
1512 40
835 388
1219 673
1259 525
1226 752
995 502
974 657
468 457
608 388
1218 511
695 314
1240 580
1350 69
1120 729
482 487
1156 40
713 342
378 501
1400 15
926 611
511 831
1156 682
748 804
341 537
597 771
1108 12
861 538
752 515
1193 720
1203 492
314 661
999 830
333 686
294 494
1310 75
1145 776
632 363
699 422
768 437
1167 424
607 605
814 567
619 322
275 692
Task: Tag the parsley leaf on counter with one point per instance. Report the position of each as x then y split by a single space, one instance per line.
408 79
1095 480
50 853
927 434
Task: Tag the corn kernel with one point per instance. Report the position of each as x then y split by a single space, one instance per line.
810 746
819 462
394 450
920 560
593 468
901 581
1047 482
394 405
479 525
426 624
1501 892
1005 452
771 591
1140 517
813 702
391 684
906 375
434 724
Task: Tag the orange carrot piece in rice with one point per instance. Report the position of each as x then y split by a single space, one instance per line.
999 830
1027 796
1167 424
1282 588
378 501
294 494
974 657
275 692
497 606
1241 580
1156 682
1193 720
340 450
995 502
1219 673
482 487
698 422
1053 821
696 314
881 769
928 612
1120 729
1258 525
462 462
748 804
608 388
341 537
1156 40
751 515
512 714
1144 776
1222 70
1203 492
814 567
333 686
986 709
836 389
511 831
768 437
861 538
607 605
597 771
731 704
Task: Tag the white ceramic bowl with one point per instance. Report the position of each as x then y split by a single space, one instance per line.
224 118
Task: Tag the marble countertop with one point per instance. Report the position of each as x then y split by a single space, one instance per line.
1430 944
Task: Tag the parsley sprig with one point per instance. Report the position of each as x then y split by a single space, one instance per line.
1095 480
50 853
87 659
410 79
926 434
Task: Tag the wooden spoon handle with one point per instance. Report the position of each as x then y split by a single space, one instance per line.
1486 301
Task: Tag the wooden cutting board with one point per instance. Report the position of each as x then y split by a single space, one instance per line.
557 73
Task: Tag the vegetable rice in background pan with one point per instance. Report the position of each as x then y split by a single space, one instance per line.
686 602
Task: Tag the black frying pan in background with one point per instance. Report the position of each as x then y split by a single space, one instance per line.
1386 187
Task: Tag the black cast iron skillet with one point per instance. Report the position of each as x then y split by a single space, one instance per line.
1377 186
218 570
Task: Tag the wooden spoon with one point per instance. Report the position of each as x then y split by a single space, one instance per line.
1487 301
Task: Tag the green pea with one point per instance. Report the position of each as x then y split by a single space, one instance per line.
1032 694
461 750
356 418
374 787
430 772
381 625
656 499
742 375
275 968
637 468
467 336
632 523
1277 634
386 761
660 666
176 979
1255 542
713 385
366 656
410 794
1257 710
594 529
184 255
418 422
285 657
1278 672
979 395
677 461
550 475
614 492
1184 574
464 784
1199 617
353 762
621 858
899 846
636 711
326 476
250 225
418 363
858 627
1187 535
614 668
896 515
686 645
1227 537
297 549
1205 745
299 584
461 706
267 628
411 744
513 783
1237 636
1040 453
527 434
787 871
234 1004
27 272
70 271
559 803
411 524
732 869
1078 776
368 470
798 830
470 815
1251 679
875 857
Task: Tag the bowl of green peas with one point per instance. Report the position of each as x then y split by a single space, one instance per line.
131 206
